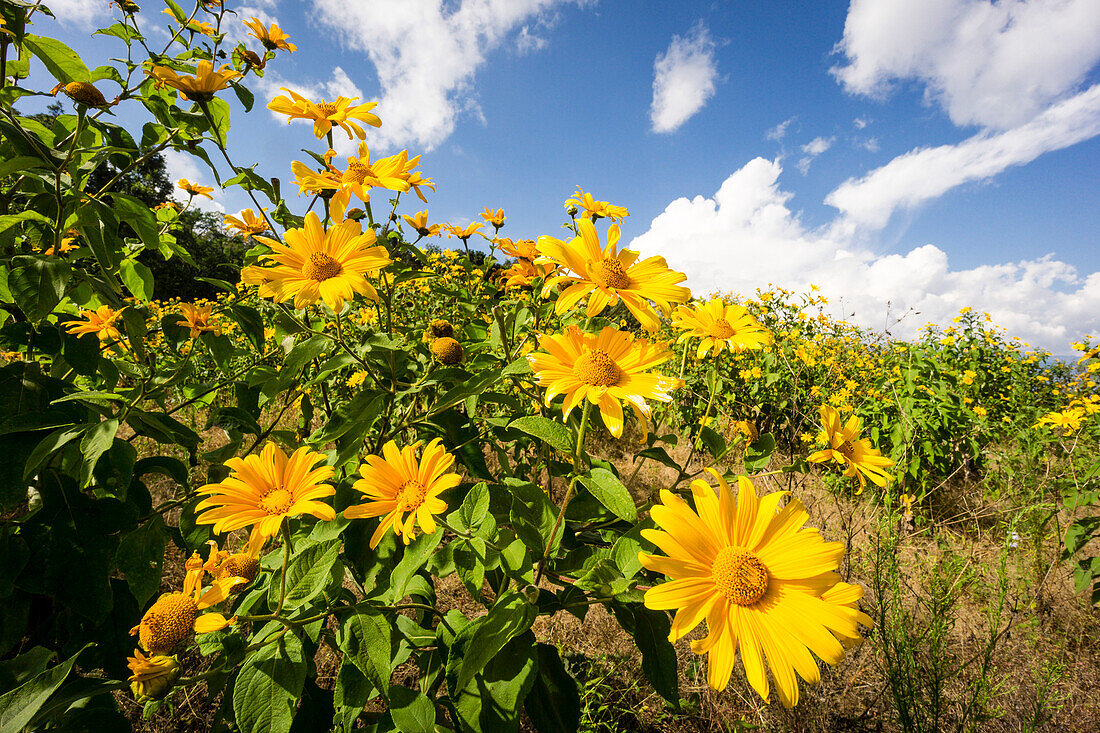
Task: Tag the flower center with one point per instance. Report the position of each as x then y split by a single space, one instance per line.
847 449
327 108
321 267
609 274
412 495
721 329
740 576
167 622
356 171
596 368
239 566
277 501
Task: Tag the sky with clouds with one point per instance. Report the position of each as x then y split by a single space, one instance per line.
908 163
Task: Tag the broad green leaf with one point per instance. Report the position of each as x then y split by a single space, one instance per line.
96 441
759 453
411 710
474 507
308 575
509 617
140 557
18 706
364 638
137 278
553 433
38 284
610 492
412 560
553 704
269 685
59 59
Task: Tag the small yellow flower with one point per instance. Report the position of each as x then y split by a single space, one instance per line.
496 218
101 322
198 319
272 38
463 233
153 676
194 189
419 223
197 88
325 115
247 223
857 455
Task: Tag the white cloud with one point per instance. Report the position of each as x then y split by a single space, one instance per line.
870 144
812 149
425 53
526 41
82 13
926 173
683 79
861 122
181 165
778 132
746 236
990 64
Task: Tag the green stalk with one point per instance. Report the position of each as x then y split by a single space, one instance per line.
577 453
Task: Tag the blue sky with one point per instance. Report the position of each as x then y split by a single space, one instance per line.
928 161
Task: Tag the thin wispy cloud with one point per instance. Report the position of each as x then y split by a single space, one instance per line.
684 77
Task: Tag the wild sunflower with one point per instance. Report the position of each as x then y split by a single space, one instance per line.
720 326
463 233
153 675
201 86
603 368
315 264
361 175
246 223
765 585
194 189
496 218
857 455
198 318
272 38
175 615
340 113
101 322
523 274
419 223
417 181
593 209
244 564
263 490
608 275
395 483
524 249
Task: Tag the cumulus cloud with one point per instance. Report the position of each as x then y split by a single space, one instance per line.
82 13
778 132
181 165
683 79
812 149
926 173
425 54
746 236
991 64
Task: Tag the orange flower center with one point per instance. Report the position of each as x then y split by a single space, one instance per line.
327 108
609 274
277 501
356 171
847 449
167 622
412 495
740 576
721 329
321 267
597 368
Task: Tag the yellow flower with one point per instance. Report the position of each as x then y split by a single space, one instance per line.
201 86
524 249
263 490
594 209
462 233
968 376
496 218
341 113
720 326
765 584
83 92
523 274
246 223
317 264
153 676
419 223
447 350
395 483
101 322
857 455
356 379
175 615
197 317
195 189
272 38
1068 421
608 275
244 564
605 369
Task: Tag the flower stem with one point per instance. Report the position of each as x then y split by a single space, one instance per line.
577 453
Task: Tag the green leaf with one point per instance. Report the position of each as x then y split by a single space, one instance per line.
759 453
553 704
140 218
10 220
509 617
553 433
140 557
173 468
714 442
610 492
48 446
269 684
474 507
138 279
251 323
472 386
177 11
38 284
308 574
650 631
18 706
59 59
411 710
494 698
96 441
364 638
517 368
304 353
416 553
